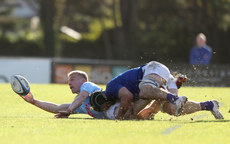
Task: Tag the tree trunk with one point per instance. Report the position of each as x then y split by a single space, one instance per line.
106 40
128 9
47 14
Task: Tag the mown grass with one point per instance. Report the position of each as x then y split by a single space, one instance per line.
21 122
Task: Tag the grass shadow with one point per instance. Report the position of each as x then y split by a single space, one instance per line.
208 121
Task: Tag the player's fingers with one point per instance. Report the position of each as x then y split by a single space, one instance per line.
59 115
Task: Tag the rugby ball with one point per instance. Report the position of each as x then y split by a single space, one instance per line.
20 85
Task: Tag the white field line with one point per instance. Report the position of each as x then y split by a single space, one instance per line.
171 129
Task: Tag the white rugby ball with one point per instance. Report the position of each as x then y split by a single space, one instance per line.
20 85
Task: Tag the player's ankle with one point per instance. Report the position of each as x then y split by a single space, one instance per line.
208 105
172 97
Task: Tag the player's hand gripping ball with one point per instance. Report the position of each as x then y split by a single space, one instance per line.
20 85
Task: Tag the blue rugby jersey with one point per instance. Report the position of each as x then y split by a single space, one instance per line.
129 79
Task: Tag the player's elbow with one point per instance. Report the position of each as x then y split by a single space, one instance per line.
61 107
57 109
127 99
125 95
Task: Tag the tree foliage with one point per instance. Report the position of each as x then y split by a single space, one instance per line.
139 30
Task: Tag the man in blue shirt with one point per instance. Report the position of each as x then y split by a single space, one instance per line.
201 54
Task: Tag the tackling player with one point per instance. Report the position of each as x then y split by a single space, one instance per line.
190 106
154 107
142 83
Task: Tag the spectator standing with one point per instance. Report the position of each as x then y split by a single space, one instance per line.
201 54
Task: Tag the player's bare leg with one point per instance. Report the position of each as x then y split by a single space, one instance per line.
153 107
135 108
189 108
150 110
149 89
192 107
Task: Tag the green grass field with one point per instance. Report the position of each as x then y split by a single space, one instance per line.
24 123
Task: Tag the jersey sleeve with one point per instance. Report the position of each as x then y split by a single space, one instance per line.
172 83
89 87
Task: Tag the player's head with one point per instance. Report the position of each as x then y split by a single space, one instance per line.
76 79
201 40
100 102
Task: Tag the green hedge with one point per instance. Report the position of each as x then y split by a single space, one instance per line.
20 48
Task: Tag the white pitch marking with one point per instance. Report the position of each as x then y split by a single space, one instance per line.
200 116
171 129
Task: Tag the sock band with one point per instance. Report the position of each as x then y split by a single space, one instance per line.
172 97
208 105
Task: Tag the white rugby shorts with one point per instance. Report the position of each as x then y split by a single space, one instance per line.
112 112
154 67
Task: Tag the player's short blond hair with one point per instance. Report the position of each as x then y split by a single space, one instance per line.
79 73
202 36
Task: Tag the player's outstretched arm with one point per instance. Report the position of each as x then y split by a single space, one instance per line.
47 106
50 107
